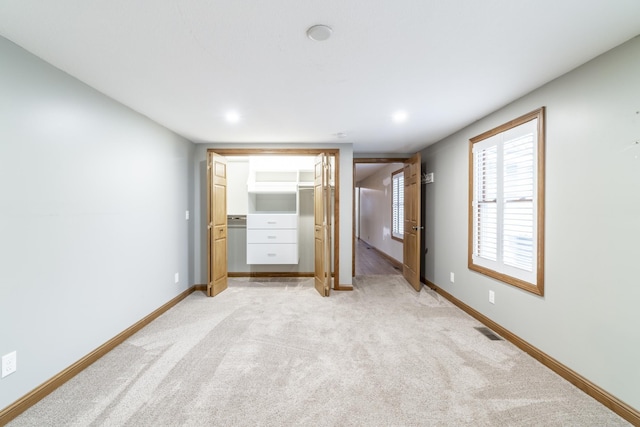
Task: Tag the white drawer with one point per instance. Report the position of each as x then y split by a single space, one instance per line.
263 253
272 221
272 236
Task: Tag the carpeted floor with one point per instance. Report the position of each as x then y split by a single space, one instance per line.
277 354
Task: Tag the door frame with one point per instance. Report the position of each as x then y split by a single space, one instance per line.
298 152
356 161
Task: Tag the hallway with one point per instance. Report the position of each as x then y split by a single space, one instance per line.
370 262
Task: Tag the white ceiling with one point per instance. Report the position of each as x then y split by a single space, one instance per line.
185 64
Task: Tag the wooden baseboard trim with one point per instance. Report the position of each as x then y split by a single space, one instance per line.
203 288
269 274
613 403
37 394
337 287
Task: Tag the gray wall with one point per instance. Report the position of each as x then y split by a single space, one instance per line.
92 218
589 316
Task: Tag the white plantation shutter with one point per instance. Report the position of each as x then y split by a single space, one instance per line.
504 202
486 212
400 193
518 194
397 204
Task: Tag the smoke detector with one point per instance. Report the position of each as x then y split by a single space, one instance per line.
319 32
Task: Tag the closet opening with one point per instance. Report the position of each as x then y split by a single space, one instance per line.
278 211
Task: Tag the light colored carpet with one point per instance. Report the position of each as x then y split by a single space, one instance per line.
277 354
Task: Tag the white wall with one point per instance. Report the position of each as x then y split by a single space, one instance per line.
375 211
588 318
200 208
356 214
92 218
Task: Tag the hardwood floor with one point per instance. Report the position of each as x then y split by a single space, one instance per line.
371 261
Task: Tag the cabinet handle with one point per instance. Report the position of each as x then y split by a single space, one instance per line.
271 254
272 222
271 237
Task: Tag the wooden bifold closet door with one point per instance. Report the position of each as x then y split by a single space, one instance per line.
217 224
322 225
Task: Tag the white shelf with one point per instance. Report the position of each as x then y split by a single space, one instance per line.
272 187
273 202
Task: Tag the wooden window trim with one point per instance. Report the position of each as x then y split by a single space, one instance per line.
538 287
398 239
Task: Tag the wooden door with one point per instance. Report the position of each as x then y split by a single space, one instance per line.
322 224
412 227
217 223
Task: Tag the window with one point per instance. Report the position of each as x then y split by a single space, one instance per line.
397 205
506 215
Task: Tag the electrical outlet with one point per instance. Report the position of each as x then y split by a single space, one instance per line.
452 277
176 277
492 297
9 363
186 215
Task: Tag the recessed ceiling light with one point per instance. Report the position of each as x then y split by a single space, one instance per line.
399 116
319 32
232 117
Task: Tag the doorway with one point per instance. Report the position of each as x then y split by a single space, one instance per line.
374 251
386 232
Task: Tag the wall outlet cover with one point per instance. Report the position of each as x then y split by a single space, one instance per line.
9 363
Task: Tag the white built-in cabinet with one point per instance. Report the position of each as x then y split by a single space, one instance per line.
272 238
272 218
